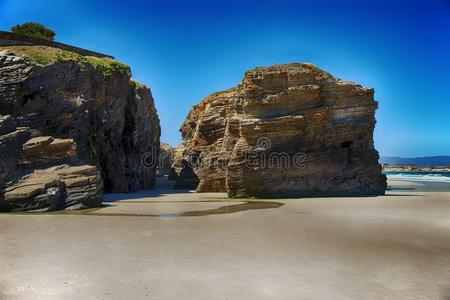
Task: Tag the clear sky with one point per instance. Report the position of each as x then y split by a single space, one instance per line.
184 50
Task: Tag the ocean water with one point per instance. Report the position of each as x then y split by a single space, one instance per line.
416 176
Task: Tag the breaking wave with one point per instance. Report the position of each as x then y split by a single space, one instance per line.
436 177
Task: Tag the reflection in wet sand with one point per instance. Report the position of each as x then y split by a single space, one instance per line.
389 247
226 209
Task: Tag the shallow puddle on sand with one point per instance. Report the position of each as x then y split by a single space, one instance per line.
168 216
418 186
226 209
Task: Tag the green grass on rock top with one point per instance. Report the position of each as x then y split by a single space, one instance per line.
44 56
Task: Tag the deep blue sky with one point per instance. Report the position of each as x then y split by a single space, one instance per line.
185 50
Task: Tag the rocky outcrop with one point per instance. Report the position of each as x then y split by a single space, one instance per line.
11 142
90 100
165 159
186 178
42 172
286 131
182 170
178 156
45 150
61 187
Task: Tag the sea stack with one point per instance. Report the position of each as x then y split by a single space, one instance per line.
288 130
66 115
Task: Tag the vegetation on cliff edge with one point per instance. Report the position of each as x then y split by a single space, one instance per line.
139 85
44 56
34 29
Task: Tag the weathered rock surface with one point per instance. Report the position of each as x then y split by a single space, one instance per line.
45 150
182 170
92 101
43 173
186 178
64 186
178 156
11 142
286 131
165 159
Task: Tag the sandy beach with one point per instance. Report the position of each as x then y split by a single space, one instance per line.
307 145
203 246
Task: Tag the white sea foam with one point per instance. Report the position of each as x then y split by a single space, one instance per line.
419 177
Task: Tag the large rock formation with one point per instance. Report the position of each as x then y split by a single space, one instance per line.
286 131
90 100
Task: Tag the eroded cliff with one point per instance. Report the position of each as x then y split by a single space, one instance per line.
286 131
92 101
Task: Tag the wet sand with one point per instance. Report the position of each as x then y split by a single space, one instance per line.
417 185
391 247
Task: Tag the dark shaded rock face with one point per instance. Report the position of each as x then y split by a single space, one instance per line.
186 179
111 118
286 131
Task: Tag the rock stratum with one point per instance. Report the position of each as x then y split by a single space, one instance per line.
286 131
72 126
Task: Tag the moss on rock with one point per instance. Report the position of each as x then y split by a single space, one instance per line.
108 66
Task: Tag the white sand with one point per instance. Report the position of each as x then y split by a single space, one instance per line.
391 247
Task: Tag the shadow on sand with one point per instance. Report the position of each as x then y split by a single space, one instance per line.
142 194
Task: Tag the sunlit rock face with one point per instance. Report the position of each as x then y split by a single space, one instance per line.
286 131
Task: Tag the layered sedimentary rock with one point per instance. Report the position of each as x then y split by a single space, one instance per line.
60 187
92 101
42 172
286 131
